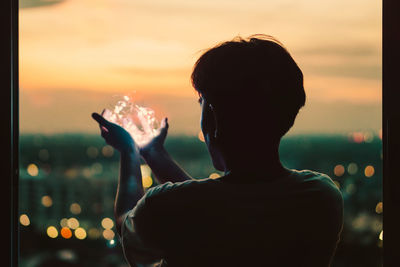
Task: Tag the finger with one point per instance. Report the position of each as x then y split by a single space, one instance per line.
104 135
164 123
164 128
103 129
100 119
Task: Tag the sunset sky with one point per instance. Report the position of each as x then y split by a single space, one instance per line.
104 47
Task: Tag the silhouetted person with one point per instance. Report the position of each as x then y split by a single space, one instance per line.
259 213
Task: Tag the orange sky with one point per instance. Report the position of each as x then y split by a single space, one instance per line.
151 46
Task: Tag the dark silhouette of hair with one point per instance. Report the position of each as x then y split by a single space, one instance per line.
251 83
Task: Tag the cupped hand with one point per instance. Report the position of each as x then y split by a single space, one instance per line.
156 144
115 135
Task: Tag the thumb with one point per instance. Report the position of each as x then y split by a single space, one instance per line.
164 124
164 128
100 119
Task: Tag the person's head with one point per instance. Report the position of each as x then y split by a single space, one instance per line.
251 91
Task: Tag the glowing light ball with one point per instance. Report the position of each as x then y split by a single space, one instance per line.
139 121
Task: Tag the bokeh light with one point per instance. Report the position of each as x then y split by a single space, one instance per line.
111 243
47 201
32 169
107 151
64 222
379 208
368 137
107 223
52 232
80 233
97 168
92 152
94 233
358 137
75 208
352 168
381 235
24 220
108 234
369 171
71 173
350 189
338 170
73 223
66 232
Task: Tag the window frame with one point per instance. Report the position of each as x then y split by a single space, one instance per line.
390 122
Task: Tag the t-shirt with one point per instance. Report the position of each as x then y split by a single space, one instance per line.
295 220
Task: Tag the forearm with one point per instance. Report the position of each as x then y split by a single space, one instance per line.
130 188
164 167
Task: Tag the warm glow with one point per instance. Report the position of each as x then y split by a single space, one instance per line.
108 234
380 133
369 171
147 181
381 235
352 168
201 136
107 151
338 170
75 208
52 232
64 222
139 121
66 232
368 137
32 169
24 220
47 201
379 208
80 233
94 233
73 223
358 137
351 189
71 173
145 170
92 152
214 175
107 223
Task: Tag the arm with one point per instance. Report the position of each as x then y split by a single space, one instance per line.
130 188
159 160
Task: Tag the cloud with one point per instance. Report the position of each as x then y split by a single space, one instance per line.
37 3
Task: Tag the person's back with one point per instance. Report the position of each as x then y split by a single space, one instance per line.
257 221
259 213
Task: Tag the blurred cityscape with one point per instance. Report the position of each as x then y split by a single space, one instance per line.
68 181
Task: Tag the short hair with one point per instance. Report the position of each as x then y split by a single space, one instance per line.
254 80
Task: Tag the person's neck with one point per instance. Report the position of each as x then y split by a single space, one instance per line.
258 165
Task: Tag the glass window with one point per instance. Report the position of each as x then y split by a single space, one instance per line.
77 57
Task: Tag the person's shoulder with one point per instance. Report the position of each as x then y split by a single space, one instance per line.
321 182
168 188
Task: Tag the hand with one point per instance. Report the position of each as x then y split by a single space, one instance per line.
156 144
115 135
